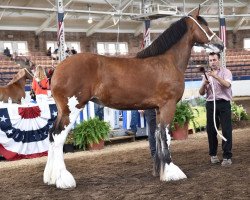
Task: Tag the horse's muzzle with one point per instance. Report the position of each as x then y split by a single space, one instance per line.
220 47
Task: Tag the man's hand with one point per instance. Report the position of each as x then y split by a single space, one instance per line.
206 82
219 79
202 90
213 74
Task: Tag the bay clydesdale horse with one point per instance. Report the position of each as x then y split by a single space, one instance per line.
152 79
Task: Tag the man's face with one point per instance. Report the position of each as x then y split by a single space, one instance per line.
214 62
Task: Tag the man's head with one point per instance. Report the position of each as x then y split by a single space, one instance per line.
214 60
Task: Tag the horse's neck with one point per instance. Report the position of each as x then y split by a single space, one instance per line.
182 52
20 82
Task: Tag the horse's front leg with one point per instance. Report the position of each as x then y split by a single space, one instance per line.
168 170
55 171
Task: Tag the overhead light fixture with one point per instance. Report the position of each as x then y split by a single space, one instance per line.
90 20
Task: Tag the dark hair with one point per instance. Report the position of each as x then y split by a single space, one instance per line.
213 53
166 40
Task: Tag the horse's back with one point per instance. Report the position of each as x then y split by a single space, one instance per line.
110 79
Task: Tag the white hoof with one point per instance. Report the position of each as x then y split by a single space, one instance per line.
49 167
172 173
46 176
65 180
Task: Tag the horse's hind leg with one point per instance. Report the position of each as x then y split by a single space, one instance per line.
168 170
55 171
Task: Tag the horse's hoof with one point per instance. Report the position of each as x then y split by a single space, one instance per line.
65 180
155 174
172 173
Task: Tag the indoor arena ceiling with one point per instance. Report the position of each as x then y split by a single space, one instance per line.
116 16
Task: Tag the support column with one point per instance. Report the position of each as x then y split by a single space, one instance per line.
60 31
222 22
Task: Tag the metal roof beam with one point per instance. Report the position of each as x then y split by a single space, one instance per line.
46 23
65 10
106 18
240 21
139 29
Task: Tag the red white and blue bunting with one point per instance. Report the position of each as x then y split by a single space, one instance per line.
24 130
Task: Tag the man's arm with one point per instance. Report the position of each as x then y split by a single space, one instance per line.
223 82
202 89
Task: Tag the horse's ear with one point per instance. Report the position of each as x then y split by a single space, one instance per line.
199 10
196 12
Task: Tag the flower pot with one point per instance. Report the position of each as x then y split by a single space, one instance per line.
68 148
180 133
96 146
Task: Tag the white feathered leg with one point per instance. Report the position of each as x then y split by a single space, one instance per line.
170 171
55 171
49 165
62 177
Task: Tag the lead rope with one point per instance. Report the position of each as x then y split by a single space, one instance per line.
211 80
30 75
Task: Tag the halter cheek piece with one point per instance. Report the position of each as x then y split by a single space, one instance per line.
208 37
28 72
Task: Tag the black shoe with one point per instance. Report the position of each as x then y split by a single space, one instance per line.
128 132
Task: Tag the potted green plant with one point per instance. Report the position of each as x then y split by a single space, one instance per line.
91 132
184 115
238 112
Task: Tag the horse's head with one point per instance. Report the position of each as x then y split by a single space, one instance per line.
28 74
202 34
24 62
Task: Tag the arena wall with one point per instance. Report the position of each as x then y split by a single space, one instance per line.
88 44
239 88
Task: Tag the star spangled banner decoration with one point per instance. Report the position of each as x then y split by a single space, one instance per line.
223 30
146 35
24 130
60 30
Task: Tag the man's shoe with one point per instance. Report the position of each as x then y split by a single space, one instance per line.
214 159
128 132
226 162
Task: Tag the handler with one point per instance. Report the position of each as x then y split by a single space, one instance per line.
221 78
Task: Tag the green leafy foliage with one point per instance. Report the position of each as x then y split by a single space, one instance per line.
184 114
238 112
200 101
90 131
200 119
70 139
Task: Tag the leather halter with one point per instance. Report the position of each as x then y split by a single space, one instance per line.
208 37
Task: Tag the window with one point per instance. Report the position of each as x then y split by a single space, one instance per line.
53 45
20 47
247 43
123 49
9 45
112 48
100 48
76 45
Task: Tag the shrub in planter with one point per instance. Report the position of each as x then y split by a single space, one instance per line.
90 131
184 115
238 112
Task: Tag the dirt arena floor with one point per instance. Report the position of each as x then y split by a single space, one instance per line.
123 172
